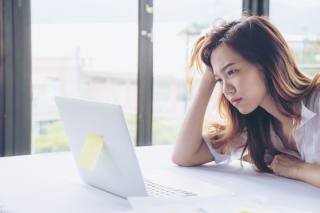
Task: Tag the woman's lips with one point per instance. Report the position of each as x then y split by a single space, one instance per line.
236 102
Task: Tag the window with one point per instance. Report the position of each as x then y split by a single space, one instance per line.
78 51
98 80
118 81
182 91
162 91
300 31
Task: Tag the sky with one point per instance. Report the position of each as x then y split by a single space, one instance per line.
290 16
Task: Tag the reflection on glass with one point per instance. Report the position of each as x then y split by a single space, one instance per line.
85 49
298 21
177 25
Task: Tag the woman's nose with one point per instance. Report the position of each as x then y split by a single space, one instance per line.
228 88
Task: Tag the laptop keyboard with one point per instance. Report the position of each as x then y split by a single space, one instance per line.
156 190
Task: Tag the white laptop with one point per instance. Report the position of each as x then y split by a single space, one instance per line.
117 169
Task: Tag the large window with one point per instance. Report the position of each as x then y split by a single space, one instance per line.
298 21
89 49
86 49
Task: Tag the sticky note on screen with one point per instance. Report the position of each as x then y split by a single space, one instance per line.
90 152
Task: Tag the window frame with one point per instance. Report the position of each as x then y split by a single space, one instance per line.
15 78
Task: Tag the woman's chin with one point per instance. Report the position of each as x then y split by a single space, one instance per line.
245 111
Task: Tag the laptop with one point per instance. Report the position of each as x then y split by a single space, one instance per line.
116 168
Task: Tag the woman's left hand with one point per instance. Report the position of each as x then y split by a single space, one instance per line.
286 165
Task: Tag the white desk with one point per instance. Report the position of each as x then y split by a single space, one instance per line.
50 183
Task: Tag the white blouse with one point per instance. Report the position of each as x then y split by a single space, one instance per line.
307 137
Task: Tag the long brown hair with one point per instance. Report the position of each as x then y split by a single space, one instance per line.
260 43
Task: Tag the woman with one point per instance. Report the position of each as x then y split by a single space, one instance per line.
271 110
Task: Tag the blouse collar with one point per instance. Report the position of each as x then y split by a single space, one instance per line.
306 114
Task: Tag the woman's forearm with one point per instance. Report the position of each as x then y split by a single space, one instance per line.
189 137
309 173
291 167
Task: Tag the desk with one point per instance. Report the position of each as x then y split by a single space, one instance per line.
50 183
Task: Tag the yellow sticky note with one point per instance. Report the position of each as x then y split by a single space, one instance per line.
90 152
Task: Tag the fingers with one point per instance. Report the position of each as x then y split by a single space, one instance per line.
280 156
285 158
274 167
285 165
208 34
271 166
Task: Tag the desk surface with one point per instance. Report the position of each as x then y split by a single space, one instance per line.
50 183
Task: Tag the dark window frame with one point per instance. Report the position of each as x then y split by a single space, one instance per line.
15 78
256 7
145 73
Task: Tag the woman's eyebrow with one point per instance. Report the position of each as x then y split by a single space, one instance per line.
224 68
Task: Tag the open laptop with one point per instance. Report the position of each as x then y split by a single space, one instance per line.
117 169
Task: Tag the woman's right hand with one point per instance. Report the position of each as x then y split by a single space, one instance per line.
208 74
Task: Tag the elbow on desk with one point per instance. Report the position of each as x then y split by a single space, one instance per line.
180 162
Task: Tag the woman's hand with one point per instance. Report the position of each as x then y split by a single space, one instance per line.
208 34
208 74
291 167
286 165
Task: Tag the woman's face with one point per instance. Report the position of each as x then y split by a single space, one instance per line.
242 82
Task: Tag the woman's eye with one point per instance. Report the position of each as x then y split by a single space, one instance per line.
231 72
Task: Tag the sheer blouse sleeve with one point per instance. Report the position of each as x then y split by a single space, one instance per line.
225 158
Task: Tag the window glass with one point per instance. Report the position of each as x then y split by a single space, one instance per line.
177 25
85 49
298 21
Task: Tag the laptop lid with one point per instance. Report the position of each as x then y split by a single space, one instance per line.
116 170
